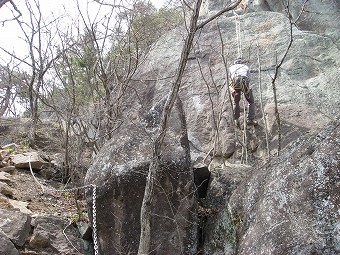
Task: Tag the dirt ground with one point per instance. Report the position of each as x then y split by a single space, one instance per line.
44 198
39 195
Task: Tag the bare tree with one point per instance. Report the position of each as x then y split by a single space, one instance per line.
16 12
11 88
91 72
38 38
279 63
145 237
5 90
261 103
146 209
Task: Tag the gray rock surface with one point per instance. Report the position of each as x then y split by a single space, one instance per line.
120 174
24 160
307 83
218 224
15 225
6 246
308 99
5 189
291 205
319 16
55 235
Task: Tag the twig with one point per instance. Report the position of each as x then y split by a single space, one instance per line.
3 2
228 8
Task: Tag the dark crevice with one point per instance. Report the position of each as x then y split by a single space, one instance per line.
201 180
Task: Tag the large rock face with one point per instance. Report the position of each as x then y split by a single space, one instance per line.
120 175
307 83
319 16
291 205
308 92
287 206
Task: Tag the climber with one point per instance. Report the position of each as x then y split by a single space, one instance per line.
239 74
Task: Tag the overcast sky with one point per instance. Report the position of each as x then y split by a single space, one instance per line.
10 30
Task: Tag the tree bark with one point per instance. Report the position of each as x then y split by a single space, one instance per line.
5 101
145 217
146 209
277 69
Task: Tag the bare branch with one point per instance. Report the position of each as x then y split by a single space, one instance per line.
102 2
145 215
187 5
19 14
277 67
13 55
228 8
303 10
3 2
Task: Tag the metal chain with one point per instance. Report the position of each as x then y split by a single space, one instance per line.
94 219
94 207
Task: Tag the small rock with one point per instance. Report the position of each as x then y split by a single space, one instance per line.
4 202
5 189
39 241
85 230
48 233
22 206
15 225
6 246
24 160
4 177
8 169
10 147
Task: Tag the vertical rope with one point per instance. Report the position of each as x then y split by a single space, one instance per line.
238 35
244 155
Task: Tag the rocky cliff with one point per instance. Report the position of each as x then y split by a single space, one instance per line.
255 203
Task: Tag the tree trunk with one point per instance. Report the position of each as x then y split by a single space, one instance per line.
5 101
34 116
145 237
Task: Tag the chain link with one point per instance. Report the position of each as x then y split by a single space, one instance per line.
94 219
94 207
